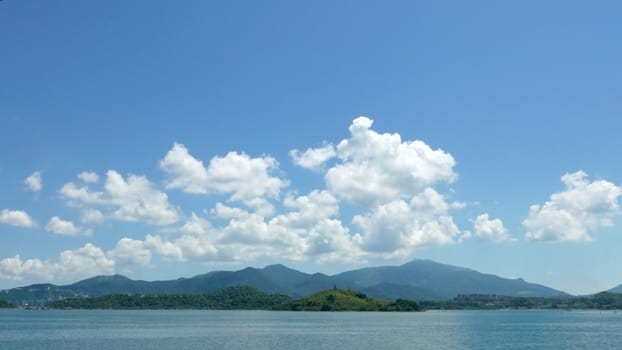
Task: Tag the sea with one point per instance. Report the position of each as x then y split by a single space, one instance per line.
158 329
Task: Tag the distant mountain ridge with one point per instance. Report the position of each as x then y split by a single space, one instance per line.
617 289
416 280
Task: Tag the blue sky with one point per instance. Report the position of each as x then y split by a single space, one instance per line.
160 139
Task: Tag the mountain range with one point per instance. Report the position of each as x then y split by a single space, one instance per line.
416 280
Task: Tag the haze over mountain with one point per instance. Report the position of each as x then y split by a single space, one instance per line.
418 280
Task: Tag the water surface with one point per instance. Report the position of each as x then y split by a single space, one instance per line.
146 329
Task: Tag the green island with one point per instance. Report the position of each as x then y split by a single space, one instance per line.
346 300
240 298
600 301
6 305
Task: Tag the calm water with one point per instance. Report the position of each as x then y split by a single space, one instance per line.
97 330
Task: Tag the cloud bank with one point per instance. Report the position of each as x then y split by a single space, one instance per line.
394 192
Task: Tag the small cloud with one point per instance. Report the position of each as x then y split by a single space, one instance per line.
34 182
88 177
490 230
458 205
17 218
92 216
313 158
62 227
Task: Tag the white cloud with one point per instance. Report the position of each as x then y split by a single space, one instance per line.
129 254
61 227
317 233
131 199
167 250
246 179
83 262
380 168
307 230
32 269
196 225
395 229
185 172
79 263
77 195
34 182
572 214
137 200
490 230
92 216
313 158
200 248
88 177
17 218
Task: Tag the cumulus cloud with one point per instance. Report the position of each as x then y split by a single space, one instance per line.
166 250
34 182
196 225
245 179
83 262
15 268
137 200
17 218
130 253
92 216
62 227
313 158
308 228
489 230
396 228
88 177
392 179
87 261
185 172
379 168
571 215
131 199
313 221
81 194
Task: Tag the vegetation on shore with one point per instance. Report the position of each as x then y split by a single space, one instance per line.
6 305
248 298
346 300
600 301
231 298
240 298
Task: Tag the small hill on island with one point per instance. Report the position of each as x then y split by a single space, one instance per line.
346 300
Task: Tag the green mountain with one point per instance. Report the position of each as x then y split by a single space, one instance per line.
416 280
429 280
346 300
